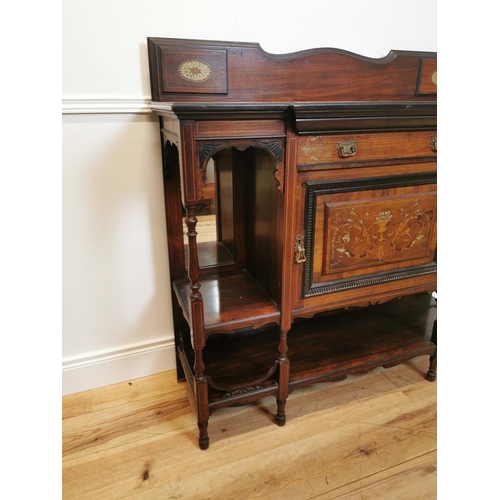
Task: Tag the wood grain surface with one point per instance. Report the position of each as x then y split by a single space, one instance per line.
369 436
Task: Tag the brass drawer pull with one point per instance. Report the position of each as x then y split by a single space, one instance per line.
346 148
300 251
434 143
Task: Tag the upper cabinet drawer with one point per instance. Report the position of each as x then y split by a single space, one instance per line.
348 150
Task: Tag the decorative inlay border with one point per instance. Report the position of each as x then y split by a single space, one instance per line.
315 188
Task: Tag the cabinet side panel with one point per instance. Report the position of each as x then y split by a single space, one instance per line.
262 224
225 223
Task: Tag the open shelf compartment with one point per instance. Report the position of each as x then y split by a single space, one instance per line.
323 348
231 302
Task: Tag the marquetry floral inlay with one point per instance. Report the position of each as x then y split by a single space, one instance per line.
367 233
313 147
195 71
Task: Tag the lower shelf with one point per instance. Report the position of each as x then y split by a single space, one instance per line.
320 349
360 340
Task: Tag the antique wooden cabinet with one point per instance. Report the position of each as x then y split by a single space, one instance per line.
321 256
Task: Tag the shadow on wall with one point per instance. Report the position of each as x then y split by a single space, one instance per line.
116 287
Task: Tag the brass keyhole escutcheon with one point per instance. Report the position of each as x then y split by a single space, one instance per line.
300 251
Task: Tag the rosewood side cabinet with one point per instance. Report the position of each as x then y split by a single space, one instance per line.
319 260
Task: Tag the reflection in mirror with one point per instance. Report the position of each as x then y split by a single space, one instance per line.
215 239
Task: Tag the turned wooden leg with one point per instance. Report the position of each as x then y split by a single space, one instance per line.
280 418
203 413
201 400
283 380
431 374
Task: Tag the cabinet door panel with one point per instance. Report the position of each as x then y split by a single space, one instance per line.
366 231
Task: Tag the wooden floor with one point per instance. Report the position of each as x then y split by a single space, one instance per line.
369 437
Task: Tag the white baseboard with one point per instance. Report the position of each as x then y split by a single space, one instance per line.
120 365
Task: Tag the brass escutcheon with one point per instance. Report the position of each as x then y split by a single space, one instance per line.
346 148
300 251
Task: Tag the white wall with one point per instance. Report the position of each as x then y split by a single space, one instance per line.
117 322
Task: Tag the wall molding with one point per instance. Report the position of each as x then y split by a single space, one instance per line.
105 105
82 373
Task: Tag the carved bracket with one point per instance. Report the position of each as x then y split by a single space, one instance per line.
170 158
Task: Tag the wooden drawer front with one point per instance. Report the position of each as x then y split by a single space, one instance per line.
339 151
364 231
239 128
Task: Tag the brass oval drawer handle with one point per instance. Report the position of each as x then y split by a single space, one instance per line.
434 143
346 148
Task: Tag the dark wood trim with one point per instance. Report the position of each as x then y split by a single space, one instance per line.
372 279
312 118
182 43
230 110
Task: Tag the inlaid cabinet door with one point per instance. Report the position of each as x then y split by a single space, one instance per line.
361 232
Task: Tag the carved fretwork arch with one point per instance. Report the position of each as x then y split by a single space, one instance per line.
207 149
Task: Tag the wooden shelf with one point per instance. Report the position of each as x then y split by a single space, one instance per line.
231 302
333 346
320 349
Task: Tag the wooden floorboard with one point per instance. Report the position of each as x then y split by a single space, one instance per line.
367 437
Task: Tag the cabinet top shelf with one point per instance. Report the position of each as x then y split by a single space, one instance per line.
313 117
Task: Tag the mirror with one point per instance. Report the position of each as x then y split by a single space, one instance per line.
215 226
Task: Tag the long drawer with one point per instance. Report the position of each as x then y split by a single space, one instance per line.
316 152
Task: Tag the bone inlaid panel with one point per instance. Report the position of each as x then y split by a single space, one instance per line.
365 232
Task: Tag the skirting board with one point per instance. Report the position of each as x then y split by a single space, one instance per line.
117 366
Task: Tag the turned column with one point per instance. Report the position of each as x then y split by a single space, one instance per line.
197 329
287 250
191 182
